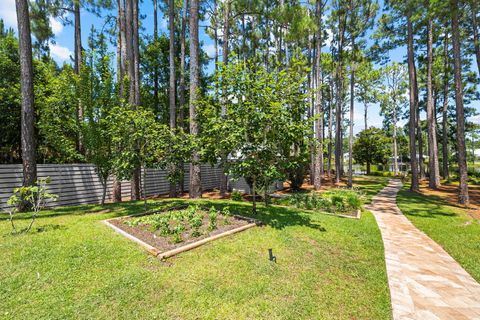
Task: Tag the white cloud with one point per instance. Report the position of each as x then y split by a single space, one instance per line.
57 26
61 53
8 13
209 49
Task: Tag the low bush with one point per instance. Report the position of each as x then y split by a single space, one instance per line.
335 200
236 196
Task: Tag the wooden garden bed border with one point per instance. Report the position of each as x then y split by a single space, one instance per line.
170 253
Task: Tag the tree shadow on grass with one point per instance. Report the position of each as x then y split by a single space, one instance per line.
419 205
273 216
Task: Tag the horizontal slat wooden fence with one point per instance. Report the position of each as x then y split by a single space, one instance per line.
79 184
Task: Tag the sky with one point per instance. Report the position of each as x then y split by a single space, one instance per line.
62 49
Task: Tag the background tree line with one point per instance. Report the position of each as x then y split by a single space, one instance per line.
334 54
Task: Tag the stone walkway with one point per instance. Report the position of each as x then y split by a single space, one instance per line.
425 281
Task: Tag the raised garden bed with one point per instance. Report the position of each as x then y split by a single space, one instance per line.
167 233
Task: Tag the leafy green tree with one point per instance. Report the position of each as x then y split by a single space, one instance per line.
36 197
10 104
98 95
370 147
368 81
136 137
260 124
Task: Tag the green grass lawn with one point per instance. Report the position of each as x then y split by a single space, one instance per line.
449 226
370 185
72 266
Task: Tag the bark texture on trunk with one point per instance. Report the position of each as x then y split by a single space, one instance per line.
433 169
476 39
172 83
445 110
350 135
132 63
395 147
330 130
413 105
365 115
195 179
225 52
77 67
155 72
181 86
121 73
318 160
28 142
463 197
339 100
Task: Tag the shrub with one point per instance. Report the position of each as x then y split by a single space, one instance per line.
212 219
237 196
335 200
33 197
196 223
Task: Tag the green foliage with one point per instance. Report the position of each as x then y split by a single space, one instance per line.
371 147
173 224
348 255
262 120
334 200
236 196
9 94
212 218
98 97
33 197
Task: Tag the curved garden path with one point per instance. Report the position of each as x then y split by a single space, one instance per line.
425 281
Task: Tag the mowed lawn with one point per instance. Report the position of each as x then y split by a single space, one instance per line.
73 267
450 226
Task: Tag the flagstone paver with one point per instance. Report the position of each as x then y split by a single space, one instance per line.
425 281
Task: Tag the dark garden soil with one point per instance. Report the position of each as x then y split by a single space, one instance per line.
164 243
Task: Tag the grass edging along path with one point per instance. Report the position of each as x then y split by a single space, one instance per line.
74 267
448 225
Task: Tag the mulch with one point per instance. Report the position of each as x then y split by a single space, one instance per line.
449 192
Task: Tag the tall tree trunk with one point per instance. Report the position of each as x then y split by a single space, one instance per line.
434 179
338 111
171 91
121 65
155 71
395 146
330 129
457 71
136 53
446 70
476 40
182 87
195 179
131 30
137 175
78 65
26 84
421 160
365 115
318 163
352 106
122 73
226 34
413 105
